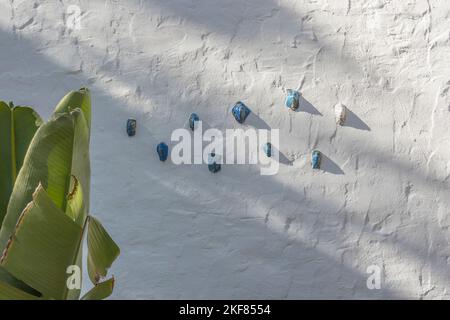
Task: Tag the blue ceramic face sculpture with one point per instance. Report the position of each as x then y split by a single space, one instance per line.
163 151
292 99
131 127
268 149
316 158
213 166
192 120
240 112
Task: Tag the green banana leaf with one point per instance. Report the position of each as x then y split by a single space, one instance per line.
17 127
47 214
45 242
58 151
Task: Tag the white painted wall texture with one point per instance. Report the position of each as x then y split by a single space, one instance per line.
381 199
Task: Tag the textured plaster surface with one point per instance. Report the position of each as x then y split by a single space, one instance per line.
381 199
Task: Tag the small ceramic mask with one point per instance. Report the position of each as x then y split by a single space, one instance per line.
340 112
213 165
268 149
240 112
292 99
131 127
163 151
192 121
316 158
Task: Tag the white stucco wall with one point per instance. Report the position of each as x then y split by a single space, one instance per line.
382 198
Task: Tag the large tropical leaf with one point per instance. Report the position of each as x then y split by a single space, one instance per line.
102 251
58 152
45 242
17 127
43 229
